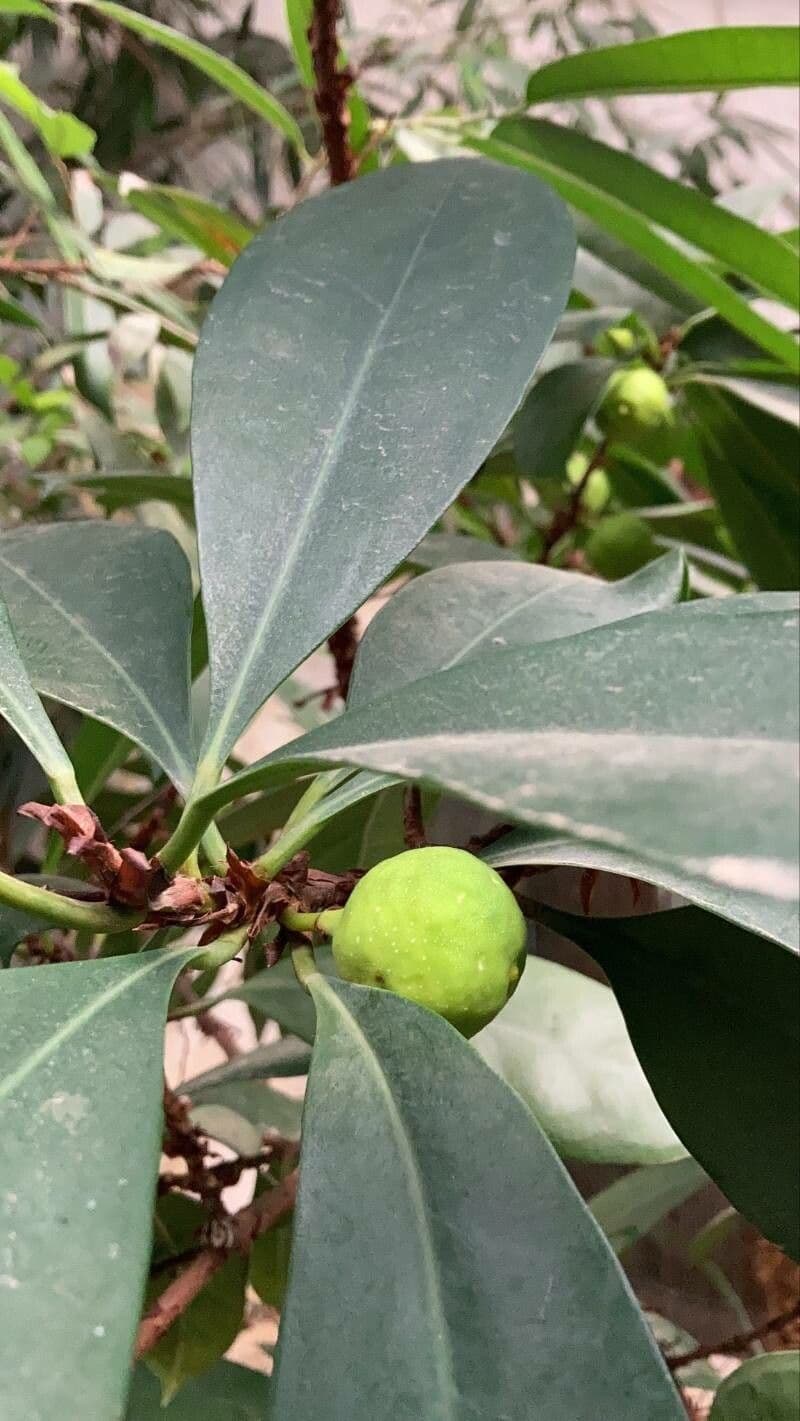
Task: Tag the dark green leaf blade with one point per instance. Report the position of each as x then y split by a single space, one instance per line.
225 1393
764 1388
103 615
21 707
80 1110
752 460
712 1016
488 606
490 1267
775 918
730 57
549 423
308 445
645 736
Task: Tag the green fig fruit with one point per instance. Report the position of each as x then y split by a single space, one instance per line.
617 340
636 402
439 927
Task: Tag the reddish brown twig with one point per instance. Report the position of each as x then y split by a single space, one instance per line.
343 646
257 1218
565 519
413 822
330 97
738 1343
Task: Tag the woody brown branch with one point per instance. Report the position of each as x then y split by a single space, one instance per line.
330 97
740 1342
250 1223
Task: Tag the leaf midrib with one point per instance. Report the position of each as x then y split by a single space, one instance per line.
445 1367
81 1018
212 751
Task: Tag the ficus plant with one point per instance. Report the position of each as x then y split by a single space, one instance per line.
382 405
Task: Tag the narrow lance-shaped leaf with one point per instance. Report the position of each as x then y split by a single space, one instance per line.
509 142
739 245
221 70
21 707
103 616
730 57
490 1267
359 362
63 133
81 1048
711 1012
646 736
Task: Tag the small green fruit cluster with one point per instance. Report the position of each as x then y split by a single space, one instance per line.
439 927
636 402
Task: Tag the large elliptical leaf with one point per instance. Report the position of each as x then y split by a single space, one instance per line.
81 1048
646 736
465 1282
21 707
359 362
103 617
711 1010
562 1044
480 607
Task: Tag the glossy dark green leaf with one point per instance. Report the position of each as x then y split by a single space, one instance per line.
225 1393
14 926
314 391
103 614
711 1010
271 1253
562 1043
489 1266
739 245
549 423
480 607
211 1322
630 1207
752 461
21 707
775 918
646 737
121 490
277 993
515 141
764 1388
80 1114
732 57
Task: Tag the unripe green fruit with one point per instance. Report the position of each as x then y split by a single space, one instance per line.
617 340
439 927
636 402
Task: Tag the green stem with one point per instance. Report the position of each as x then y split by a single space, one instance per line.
188 832
318 788
216 850
67 912
303 963
324 922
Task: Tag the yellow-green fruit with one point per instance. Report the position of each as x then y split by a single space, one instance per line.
439 927
636 402
617 340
